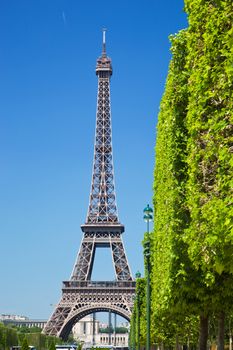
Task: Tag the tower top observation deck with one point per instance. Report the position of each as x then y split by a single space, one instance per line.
104 63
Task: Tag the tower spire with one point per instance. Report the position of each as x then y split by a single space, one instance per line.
104 43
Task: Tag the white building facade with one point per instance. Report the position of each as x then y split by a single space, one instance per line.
88 332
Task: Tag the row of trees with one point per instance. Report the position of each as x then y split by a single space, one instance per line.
192 242
14 336
111 330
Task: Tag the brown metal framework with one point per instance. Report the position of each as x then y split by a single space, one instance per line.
102 205
80 295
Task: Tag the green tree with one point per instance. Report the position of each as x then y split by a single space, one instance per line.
52 346
24 345
132 333
210 162
139 310
173 295
23 329
192 251
8 337
35 330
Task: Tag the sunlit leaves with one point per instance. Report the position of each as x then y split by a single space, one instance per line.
193 183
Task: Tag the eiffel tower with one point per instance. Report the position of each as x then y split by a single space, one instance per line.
80 295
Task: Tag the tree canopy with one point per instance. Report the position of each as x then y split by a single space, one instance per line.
192 241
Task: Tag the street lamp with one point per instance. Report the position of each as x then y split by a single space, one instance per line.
147 218
138 275
148 211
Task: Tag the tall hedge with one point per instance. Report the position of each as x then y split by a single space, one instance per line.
172 272
8 337
40 341
138 316
193 184
209 121
11 337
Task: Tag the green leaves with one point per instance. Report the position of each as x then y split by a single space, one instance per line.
192 251
25 345
192 243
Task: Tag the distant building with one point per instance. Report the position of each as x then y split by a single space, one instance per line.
13 317
21 321
89 333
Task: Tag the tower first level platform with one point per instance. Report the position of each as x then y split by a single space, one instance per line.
80 298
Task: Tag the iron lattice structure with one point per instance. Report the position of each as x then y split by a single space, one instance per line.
102 206
80 295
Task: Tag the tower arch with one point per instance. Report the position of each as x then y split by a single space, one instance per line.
80 313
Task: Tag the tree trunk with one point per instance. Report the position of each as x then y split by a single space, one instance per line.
221 319
230 337
188 343
177 343
203 335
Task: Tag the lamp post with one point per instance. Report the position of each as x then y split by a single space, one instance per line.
138 275
147 218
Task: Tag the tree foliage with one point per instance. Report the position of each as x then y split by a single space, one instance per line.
24 345
11 336
138 315
111 330
52 346
192 242
209 120
8 337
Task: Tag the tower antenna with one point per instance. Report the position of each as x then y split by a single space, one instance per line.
104 42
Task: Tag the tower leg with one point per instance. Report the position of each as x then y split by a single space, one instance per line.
109 326
120 262
115 316
93 329
83 266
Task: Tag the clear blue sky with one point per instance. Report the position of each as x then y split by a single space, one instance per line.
48 52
